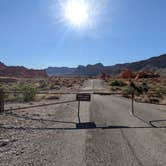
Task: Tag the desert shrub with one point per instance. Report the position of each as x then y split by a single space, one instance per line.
28 92
144 87
137 89
141 89
54 86
127 91
43 84
118 83
9 97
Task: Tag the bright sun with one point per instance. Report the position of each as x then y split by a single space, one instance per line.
77 12
79 15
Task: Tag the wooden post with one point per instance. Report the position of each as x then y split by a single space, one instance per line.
2 95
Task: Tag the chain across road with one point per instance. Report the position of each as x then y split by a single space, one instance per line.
85 92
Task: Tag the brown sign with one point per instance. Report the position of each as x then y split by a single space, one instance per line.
83 97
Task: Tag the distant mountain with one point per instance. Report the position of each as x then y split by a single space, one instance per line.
151 64
20 71
89 70
58 71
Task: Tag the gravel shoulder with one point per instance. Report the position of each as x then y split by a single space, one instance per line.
43 135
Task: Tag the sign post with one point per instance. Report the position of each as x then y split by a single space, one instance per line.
82 97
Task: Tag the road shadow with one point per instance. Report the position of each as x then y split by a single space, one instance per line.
152 123
75 128
36 119
39 105
78 126
86 125
140 118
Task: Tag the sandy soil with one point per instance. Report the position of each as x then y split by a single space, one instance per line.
42 136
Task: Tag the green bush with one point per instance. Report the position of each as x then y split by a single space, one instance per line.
118 83
28 92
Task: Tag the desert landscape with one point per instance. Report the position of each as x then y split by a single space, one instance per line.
39 110
82 83
40 129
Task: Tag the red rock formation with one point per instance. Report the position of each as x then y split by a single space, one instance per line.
19 71
104 76
126 74
147 74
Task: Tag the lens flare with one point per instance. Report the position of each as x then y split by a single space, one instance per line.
77 12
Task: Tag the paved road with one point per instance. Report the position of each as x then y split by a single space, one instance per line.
48 136
138 145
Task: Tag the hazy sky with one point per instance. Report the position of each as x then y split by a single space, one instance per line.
33 33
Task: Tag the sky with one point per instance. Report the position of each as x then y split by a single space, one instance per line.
36 33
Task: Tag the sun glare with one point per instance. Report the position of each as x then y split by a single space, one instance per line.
81 15
76 12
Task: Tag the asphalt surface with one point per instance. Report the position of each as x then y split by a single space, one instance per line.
49 136
125 140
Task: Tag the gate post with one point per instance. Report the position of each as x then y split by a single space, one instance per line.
79 121
2 95
133 103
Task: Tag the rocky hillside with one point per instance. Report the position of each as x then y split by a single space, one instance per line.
151 64
20 71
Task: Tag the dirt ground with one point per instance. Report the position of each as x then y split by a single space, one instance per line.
47 136
40 136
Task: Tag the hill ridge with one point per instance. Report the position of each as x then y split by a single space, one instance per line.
152 64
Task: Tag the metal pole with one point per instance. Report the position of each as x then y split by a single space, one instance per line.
79 121
133 103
